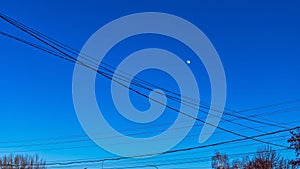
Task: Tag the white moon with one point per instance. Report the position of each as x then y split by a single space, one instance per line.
188 62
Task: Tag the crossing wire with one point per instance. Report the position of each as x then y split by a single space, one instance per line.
73 59
73 51
144 95
76 52
170 151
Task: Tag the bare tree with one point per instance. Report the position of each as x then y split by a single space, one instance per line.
220 161
265 158
22 162
295 144
237 164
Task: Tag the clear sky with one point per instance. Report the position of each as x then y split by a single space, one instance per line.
258 44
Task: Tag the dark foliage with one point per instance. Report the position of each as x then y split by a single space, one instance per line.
265 158
295 144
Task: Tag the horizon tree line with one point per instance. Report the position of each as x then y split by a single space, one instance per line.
265 158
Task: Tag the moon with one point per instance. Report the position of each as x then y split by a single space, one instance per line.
188 62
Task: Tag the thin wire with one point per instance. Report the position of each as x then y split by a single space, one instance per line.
174 151
169 107
134 90
74 51
173 98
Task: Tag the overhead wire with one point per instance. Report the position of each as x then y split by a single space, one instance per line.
172 151
20 26
74 51
73 59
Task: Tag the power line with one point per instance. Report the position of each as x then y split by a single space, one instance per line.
86 140
206 107
171 108
179 155
270 105
184 161
133 134
93 146
167 152
73 59
172 151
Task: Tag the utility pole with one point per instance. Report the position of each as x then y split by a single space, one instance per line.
103 163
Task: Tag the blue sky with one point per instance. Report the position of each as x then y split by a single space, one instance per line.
257 43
